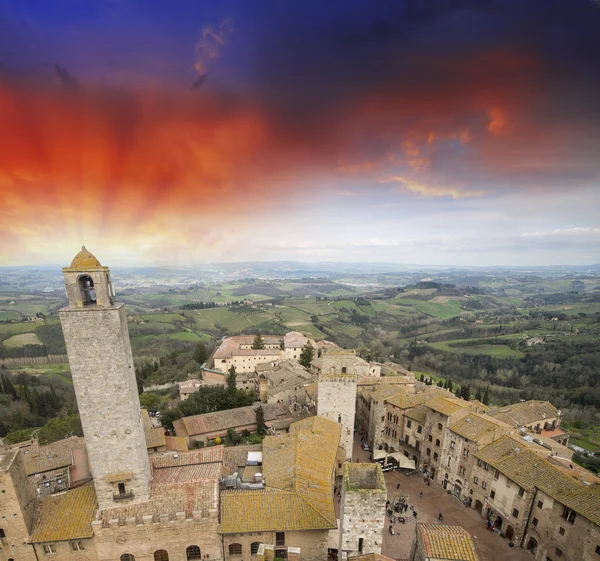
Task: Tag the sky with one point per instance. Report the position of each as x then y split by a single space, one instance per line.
441 132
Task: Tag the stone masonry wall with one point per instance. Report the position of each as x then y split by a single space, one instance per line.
16 508
550 531
103 374
336 403
362 513
142 540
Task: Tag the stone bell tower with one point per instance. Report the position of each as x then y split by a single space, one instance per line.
97 339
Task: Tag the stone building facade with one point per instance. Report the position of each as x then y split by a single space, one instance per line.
464 438
362 510
99 351
17 502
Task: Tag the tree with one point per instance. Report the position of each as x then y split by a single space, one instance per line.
200 355
478 395
258 342
422 378
231 385
486 396
307 355
261 428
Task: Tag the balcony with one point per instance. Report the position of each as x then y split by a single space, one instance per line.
123 496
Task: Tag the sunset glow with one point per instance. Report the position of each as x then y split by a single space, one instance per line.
225 134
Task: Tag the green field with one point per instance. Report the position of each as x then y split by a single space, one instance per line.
499 351
22 339
6 315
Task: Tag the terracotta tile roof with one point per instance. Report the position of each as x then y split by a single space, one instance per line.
477 428
268 510
231 346
525 413
578 490
207 455
155 436
397 381
236 456
418 413
66 516
186 474
406 401
370 557
169 499
51 456
229 418
447 542
446 405
296 339
188 484
298 468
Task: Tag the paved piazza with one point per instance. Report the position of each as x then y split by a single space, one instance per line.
435 500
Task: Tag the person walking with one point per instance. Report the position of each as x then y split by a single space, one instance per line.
440 517
421 494
398 486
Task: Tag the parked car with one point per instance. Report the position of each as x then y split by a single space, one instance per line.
365 447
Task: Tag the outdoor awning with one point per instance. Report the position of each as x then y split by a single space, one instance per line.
402 460
379 455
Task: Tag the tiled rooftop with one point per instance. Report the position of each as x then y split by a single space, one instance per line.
405 401
447 542
298 468
206 455
155 436
522 464
478 428
230 418
38 459
417 413
66 516
186 474
446 405
525 413
231 346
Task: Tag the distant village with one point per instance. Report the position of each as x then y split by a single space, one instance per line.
349 445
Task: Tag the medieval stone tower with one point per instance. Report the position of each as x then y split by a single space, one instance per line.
338 372
362 510
97 339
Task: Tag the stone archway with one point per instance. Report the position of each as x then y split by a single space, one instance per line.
478 506
532 545
457 490
498 522
510 533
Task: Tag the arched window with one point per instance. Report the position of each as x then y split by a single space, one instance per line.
193 552
254 548
532 546
161 555
88 293
343 370
235 549
127 557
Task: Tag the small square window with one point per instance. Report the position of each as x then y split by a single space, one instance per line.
452 445
476 480
598 549
535 521
559 552
521 491
419 429
492 494
440 427
430 438
540 504
515 513
561 531
408 424
483 485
